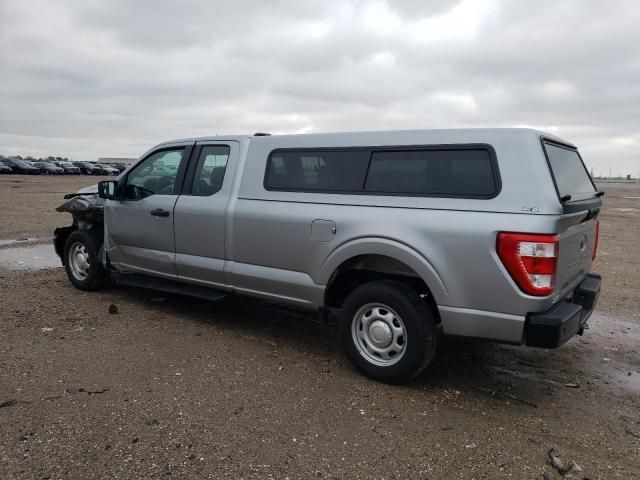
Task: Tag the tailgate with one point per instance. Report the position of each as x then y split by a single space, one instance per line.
581 202
575 254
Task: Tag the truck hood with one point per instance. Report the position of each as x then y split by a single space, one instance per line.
89 189
83 200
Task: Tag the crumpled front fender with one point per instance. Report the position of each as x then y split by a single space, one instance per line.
83 200
81 203
87 209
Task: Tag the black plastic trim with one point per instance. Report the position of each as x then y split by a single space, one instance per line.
590 204
588 292
191 170
392 148
554 327
182 170
557 325
171 286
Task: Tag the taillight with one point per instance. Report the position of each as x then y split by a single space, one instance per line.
531 260
595 242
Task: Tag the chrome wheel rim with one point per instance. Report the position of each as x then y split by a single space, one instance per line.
79 261
379 334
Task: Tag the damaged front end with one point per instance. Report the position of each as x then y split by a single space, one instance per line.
87 209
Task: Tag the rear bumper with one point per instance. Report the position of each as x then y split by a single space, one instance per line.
557 325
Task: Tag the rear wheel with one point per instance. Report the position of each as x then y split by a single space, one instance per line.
388 331
82 261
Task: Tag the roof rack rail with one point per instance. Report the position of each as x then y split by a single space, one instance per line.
261 134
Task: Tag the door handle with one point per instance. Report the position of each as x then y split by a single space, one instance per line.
158 212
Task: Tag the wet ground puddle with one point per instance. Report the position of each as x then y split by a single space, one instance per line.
17 256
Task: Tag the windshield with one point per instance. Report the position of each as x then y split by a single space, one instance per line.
569 172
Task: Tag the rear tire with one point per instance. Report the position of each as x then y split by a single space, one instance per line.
82 260
388 331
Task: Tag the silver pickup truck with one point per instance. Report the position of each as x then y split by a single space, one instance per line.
399 236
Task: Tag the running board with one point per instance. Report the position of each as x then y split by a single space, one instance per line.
170 286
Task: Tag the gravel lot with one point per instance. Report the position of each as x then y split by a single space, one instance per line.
171 387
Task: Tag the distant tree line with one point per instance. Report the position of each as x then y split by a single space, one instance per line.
32 159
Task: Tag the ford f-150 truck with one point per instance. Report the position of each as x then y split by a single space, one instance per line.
401 236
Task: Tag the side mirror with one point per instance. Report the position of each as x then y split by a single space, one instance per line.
107 189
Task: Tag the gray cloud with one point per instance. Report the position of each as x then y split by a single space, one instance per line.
96 78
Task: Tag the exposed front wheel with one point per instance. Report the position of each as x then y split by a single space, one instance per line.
388 331
82 261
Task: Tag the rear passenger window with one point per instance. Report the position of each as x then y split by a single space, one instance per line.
212 163
338 171
443 172
464 172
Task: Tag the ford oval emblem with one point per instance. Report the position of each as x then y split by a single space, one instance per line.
583 243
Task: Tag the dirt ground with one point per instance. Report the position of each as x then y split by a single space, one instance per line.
28 203
171 387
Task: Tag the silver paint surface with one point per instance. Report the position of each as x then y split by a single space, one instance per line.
287 245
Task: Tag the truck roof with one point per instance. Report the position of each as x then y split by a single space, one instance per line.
388 137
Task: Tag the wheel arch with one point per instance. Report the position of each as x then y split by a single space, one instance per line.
60 236
379 258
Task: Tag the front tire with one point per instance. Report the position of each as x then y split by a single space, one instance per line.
82 260
388 331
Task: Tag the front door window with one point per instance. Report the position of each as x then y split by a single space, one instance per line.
156 175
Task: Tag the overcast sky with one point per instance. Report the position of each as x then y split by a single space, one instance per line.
114 77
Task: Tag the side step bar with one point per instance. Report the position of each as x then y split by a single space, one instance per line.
169 286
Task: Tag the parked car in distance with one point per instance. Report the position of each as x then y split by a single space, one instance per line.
69 168
22 166
88 168
398 236
103 170
4 168
48 168
117 167
121 167
108 169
